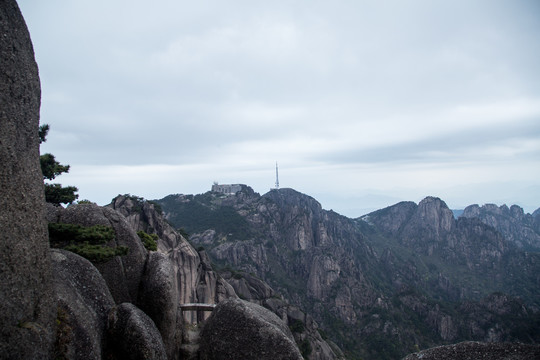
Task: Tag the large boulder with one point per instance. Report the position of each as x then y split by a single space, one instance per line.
158 298
27 307
303 326
133 335
239 329
84 302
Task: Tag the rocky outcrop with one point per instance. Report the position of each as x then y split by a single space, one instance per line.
516 226
392 219
430 229
239 329
90 326
27 306
432 221
123 274
394 279
475 350
499 318
304 328
195 281
84 302
134 335
158 298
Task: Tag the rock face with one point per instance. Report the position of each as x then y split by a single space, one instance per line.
132 332
303 326
27 307
476 350
520 228
158 297
239 329
84 302
123 274
196 283
90 326
147 280
404 277
429 230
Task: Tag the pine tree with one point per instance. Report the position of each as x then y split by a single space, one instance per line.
54 193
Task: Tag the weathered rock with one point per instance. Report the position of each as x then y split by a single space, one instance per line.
248 287
304 327
196 282
392 218
476 350
134 335
239 329
516 226
27 306
485 320
158 298
387 278
84 302
123 274
431 222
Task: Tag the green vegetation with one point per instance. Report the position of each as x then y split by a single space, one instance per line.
89 242
157 207
199 213
234 273
149 240
97 253
54 193
297 326
87 202
305 348
60 233
184 233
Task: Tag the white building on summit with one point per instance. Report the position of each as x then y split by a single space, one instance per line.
228 189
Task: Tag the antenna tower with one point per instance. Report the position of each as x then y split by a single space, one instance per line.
277 178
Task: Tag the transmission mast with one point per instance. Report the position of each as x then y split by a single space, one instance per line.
277 177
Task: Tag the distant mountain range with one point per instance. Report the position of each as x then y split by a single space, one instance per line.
399 279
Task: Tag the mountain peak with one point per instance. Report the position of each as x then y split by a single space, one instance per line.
287 197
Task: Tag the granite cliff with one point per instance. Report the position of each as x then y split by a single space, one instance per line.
405 277
520 228
28 307
199 283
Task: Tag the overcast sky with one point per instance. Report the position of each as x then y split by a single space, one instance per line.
362 103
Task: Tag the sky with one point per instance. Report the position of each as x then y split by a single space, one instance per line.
361 103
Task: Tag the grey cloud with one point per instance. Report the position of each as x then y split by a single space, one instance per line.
128 83
460 146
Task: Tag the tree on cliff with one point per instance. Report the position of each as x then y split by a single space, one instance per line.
54 193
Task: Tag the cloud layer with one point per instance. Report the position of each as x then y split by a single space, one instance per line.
356 100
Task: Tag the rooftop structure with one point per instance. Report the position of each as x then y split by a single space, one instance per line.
227 189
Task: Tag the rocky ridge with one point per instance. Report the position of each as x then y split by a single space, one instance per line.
137 298
521 229
203 285
366 280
